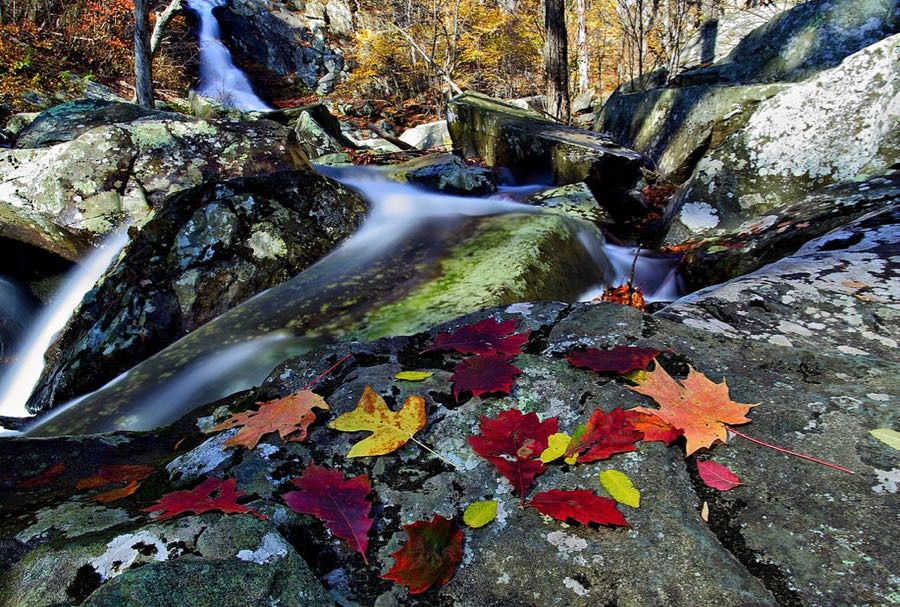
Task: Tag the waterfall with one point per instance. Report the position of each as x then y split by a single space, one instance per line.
19 380
220 79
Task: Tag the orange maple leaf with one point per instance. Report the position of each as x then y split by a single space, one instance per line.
290 416
698 406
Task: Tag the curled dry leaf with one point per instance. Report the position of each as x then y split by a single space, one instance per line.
289 416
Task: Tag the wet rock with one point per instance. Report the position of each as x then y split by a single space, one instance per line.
794 533
267 33
373 287
432 135
18 122
532 146
716 259
102 172
203 252
783 151
445 173
575 200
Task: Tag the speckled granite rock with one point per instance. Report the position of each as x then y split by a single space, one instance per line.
794 533
839 125
97 165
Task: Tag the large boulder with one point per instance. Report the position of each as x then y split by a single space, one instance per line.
429 136
88 167
445 173
395 277
533 147
287 42
808 339
839 125
675 126
782 231
676 120
796 44
206 250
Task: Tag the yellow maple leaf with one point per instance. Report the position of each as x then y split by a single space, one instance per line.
290 416
698 406
390 429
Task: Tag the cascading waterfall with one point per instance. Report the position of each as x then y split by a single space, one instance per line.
406 226
19 381
220 79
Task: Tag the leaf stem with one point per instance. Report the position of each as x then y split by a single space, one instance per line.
788 452
438 455
326 372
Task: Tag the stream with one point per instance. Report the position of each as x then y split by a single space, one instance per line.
402 244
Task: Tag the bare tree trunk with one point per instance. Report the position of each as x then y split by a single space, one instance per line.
581 44
556 59
143 62
162 20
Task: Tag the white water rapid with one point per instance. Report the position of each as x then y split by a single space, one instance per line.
220 79
20 379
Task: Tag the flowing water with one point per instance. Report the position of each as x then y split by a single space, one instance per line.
18 382
15 316
401 244
220 79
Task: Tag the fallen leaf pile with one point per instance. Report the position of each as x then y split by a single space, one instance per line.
521 446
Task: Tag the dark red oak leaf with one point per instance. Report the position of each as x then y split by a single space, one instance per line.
212 494
580 505
337 501
484 374
605 434
620 360
483 337
430 556
653 427
513 442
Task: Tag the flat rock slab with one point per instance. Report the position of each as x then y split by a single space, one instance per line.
794 533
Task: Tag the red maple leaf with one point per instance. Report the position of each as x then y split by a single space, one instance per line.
430 556
513 442
212 494
580 505
483 337
604 434
653 427
337 501
620 360
484 374
717 476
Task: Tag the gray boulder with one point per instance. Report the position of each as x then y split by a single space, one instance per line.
784 151
206 250
445 173
429 136
88 167
533 147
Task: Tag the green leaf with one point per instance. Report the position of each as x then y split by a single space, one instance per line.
479 514
620 487
413 375
889 437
